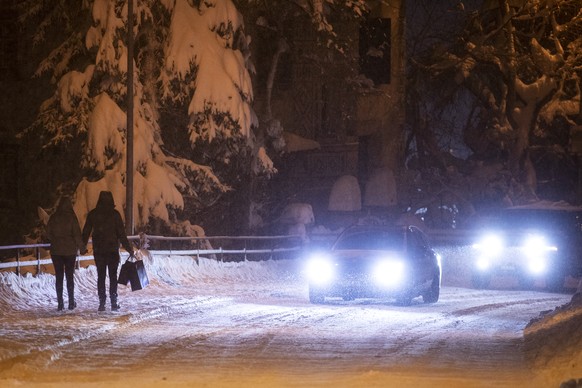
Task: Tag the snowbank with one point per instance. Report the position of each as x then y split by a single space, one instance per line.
554 343
38 292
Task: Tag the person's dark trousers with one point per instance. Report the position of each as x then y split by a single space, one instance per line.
65 267
107 263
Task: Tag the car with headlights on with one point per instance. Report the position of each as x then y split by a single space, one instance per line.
376 262
535 242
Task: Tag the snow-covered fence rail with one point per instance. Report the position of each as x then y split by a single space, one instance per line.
255 247
19 248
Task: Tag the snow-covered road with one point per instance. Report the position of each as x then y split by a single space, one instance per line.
250 324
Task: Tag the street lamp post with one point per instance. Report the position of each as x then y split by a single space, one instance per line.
129 145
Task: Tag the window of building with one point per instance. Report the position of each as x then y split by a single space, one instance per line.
374 50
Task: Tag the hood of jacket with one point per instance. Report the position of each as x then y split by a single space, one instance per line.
105 200
65 206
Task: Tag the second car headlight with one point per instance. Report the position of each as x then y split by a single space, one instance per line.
388 272
537 245
537 265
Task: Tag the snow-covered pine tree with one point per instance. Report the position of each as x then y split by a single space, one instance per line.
191 83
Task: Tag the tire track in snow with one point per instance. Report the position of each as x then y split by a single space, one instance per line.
502 305
469 333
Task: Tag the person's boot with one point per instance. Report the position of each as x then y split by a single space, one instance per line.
114 305
61 304
101 304
72 303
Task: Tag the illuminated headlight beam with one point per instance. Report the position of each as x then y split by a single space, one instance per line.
320 270
537 266
388 273
536 246
483 264
491 245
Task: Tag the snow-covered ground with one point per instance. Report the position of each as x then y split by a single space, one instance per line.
250 324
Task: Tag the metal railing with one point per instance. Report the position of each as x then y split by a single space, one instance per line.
229 247
263 247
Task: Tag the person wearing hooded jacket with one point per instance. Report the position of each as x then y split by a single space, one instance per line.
64 234
104 223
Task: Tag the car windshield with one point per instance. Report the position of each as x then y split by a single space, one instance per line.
372 240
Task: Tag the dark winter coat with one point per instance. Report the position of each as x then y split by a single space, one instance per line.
106 226
64 232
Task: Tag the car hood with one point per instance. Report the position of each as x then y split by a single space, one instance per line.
366 254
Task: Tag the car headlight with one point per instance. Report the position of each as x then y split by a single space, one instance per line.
490 245
483 263
388 272
537 246
537 265
320 269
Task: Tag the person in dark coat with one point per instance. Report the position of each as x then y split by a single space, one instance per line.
64 234
104 223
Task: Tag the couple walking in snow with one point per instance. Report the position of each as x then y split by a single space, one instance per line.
105 225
